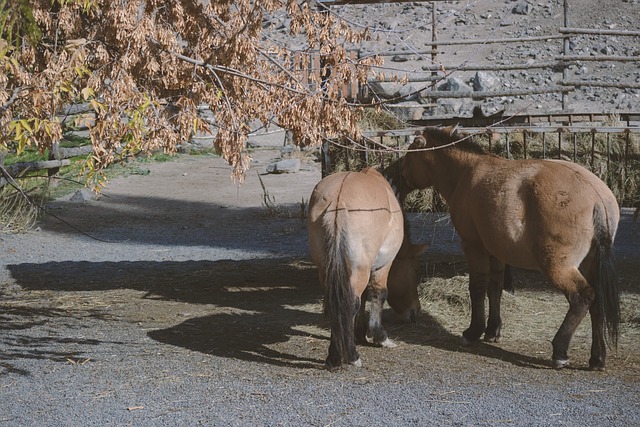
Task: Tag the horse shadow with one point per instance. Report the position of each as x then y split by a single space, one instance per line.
257 306
428 331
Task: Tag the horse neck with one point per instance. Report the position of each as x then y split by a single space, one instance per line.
405 248
447 166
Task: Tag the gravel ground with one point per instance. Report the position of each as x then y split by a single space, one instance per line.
200 307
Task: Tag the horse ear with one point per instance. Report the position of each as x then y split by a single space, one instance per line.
419 142
451 130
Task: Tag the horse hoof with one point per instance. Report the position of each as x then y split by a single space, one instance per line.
357 363
596 364
560 363
331 367
491 339
388 343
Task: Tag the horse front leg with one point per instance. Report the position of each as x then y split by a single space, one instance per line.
496 284
477 291
479 274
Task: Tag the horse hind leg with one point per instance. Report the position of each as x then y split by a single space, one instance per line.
378 333
336 357
346 303
580 296
378 292
598 345
361 325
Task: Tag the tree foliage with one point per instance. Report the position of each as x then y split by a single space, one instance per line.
145 67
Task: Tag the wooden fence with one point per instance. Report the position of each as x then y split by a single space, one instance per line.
438 71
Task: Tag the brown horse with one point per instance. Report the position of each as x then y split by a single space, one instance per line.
547 215
356 234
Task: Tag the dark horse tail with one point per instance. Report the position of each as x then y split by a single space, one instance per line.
340 302
605 280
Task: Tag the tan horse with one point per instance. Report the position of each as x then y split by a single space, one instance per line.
547 215
356 229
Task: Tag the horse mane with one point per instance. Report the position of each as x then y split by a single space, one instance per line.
444 136
393 174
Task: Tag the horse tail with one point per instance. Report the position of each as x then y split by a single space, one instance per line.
607 292
340 302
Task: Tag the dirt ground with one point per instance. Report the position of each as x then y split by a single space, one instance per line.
198 305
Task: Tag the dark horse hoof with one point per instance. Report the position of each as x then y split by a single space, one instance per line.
333 366
596 364
490 338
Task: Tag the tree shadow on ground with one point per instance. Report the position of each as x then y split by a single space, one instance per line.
255 305
256 309
151 220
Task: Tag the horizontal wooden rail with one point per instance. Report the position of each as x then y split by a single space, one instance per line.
594 31
350 2
594 83
464 42
493 94
603 58
501 129
506 67
18 169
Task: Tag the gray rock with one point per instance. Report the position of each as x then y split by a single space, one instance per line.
407 111
522 8
488 109
284 166
484 81
385 90
455 84
607 50
410 92
399 58
450 107
82 196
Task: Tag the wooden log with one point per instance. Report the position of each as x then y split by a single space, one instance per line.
599 32
17 169
83 150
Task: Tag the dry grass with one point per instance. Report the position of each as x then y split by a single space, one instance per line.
531 316
19 209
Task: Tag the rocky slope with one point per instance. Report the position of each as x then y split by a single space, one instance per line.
406 28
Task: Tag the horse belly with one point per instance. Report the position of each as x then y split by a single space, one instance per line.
512 247
386 254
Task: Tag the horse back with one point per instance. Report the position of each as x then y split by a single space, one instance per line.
517 209
361 209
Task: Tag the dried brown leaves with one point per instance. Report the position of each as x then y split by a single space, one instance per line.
145 67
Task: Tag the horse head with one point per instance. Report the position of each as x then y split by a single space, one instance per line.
403 282
415 171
